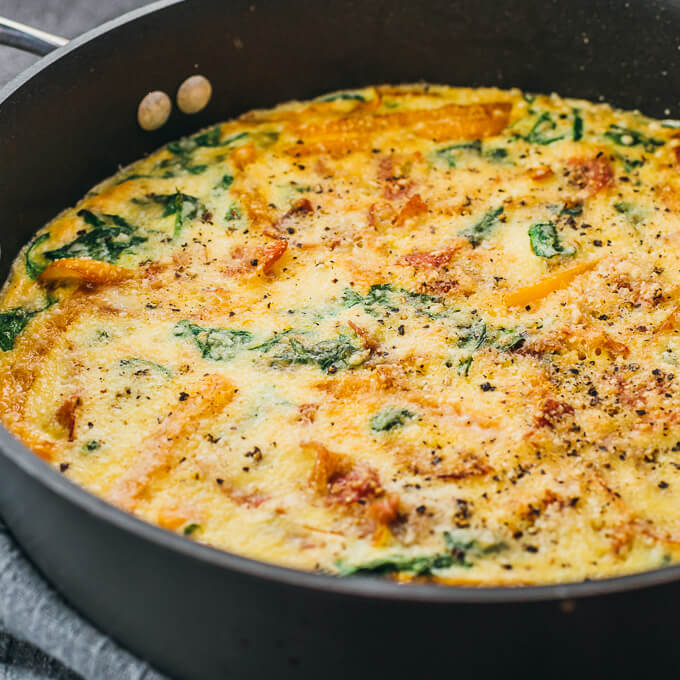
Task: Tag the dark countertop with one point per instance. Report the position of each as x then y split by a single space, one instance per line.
67 18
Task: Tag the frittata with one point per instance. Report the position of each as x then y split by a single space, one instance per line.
421 331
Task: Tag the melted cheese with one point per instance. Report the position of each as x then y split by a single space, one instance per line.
415 330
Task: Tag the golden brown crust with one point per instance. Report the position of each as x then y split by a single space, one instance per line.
85 271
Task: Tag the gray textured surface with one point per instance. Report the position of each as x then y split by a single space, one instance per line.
40 637
67 18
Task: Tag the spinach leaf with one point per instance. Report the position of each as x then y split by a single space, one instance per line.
218 344
423 303
422 565
634 213
274 340
478 334
172 202
627 137
226 181
127 178
265 138
328 355
109 238
458 549
545 241
390 418
506 339
418 566
183 206
379 295
350 298
343 96
13 321
482 229
143 365
539 133
234 213
472 337
384 297
191 528
90 218
187 145
35 269
630 164
183 150
449 155
471 547
496 154
577 126
572 209
464 366
176 166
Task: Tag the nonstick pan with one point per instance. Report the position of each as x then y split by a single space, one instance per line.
195 612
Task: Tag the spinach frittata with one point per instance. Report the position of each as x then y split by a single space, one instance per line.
414 330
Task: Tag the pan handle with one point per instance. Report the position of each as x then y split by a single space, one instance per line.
29 39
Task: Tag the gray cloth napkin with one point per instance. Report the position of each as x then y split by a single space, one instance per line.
42 638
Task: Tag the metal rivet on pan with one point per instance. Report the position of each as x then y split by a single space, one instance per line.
194 94
154 110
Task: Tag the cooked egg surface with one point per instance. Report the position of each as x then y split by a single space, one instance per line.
420 331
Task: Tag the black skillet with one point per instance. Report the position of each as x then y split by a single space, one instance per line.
194 612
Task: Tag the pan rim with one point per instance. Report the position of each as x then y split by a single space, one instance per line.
360 586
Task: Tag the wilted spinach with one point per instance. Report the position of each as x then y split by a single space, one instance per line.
384 297
390 418
108 239
343 96
226 181
627 137
422 565
13 321
477 334
540 132
464 366
33 267
143 365
633 212
183 206
234 213
218 344
275 339
450 154
482 229
183 149
418 566
577 125
210 138
545 241
328 355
